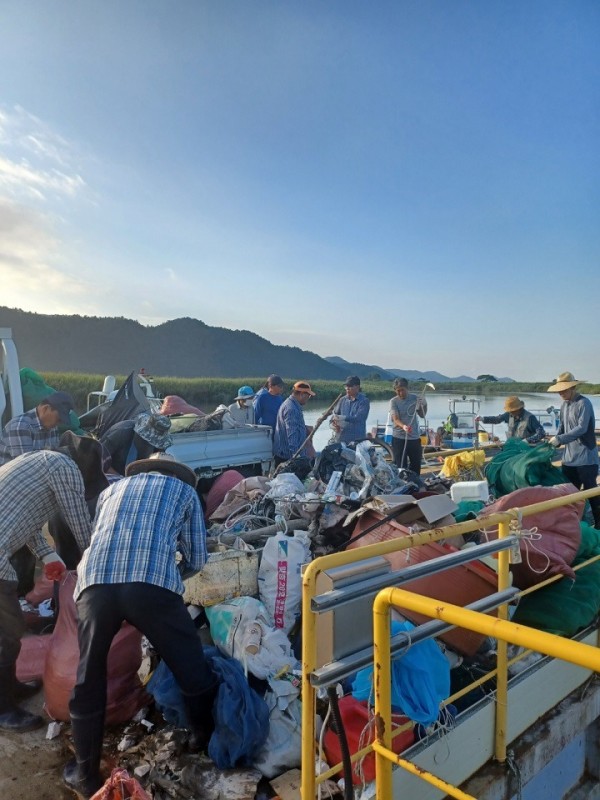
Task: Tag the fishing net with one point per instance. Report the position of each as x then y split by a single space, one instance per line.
519 465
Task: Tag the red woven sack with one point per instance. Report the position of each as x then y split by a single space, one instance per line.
121 786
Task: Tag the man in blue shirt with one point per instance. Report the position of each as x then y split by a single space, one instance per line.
130 572
36 429
290 431
349 420
268 401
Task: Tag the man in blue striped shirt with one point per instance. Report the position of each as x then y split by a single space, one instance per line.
290 431
36 429
130 572
350 414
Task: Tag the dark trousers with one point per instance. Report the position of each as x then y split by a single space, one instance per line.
12 624
407 450
584 477
157 613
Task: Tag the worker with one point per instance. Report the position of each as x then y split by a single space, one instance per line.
242 409
130 573
406 441
349 419
522 424
576 431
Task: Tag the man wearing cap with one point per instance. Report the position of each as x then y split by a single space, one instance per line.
34 487
36 429
133 439
406 442
268 401
290 431
130 572
576 432
521 424
349 420
242 409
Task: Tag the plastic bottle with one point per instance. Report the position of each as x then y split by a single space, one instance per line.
252 638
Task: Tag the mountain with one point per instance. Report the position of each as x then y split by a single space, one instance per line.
180 348
363 371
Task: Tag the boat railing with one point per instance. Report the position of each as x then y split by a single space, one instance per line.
367 584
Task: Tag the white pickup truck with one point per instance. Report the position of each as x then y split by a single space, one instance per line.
248 449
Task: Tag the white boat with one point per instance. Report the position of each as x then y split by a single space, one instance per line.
464 432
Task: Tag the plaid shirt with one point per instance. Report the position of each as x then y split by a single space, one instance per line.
34 487
290 431
141 523
24 434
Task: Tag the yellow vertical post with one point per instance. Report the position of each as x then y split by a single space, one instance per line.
309 640
382 680
502 651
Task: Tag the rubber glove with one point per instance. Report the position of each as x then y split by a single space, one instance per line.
54 567
554 441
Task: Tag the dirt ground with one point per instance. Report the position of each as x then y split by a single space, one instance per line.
31 765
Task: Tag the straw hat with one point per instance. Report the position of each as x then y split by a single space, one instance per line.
512 404
566 380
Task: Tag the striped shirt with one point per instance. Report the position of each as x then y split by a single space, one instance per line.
24 434
34 487
141 523
353 413
290 430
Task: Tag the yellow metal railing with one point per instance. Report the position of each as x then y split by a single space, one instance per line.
309 780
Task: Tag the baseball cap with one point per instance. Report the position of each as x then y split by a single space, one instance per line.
352 380
303 386
61 402
275 380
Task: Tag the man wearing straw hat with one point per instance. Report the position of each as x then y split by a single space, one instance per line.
576 432
521 424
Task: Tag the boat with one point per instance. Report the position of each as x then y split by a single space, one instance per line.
548 417
461 420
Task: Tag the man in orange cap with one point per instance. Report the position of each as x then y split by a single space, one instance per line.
290 430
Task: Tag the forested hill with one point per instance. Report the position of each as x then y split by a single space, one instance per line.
180 348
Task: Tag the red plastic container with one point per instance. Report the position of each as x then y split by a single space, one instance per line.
460 585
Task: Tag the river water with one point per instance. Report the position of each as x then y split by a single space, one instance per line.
438 409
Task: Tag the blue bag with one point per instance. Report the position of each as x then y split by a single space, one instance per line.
420 679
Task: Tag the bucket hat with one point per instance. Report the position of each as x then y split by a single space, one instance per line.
165 463
566 380
154 429
245 393
87 453
513 403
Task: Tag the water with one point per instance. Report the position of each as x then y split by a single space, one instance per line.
438 410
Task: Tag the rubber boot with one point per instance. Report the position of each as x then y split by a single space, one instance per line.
82 773
199 709
13 718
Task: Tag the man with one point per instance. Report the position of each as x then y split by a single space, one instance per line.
290 431
134 439
350 414
521 424
406 443
36 429
34 487
242 409
576 432
130 573
268 401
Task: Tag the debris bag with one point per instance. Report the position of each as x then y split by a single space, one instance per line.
121 786
32 657
173 404
282 749
519 465
125 694
222 484
551 548
420 679
128 402
279 577
43 589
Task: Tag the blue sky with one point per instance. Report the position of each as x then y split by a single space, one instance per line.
410 184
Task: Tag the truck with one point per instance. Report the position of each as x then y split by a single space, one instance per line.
248 449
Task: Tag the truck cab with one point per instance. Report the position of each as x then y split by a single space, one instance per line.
11 397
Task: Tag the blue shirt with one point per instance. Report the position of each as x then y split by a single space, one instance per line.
24 434
290 430
577 420
353 413
141 523
266 407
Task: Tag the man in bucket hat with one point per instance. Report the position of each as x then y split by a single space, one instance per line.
521 424
576 432
133 439
242 409
130 572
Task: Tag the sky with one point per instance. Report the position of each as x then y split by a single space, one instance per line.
411 184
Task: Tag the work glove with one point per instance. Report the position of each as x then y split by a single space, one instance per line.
54 567
554 441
